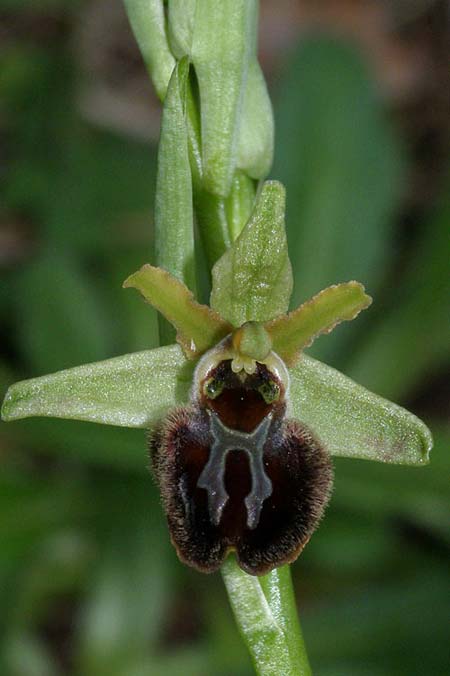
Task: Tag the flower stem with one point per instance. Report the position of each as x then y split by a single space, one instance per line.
266 614
197 167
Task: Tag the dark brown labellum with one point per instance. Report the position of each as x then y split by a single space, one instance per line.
236 474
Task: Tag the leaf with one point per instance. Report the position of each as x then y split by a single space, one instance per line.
253 279
174 217
193 123
292 332
198 327
85 211
59 319
405 613
135 321
411 337
23 653
341 165
148 23
221 59
173 202
353 422
33 508
81 442
401 491
134 390
128 599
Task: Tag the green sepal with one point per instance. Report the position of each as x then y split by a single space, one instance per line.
148 23
252 281
198 327
134 390
351 421
221 57
292 332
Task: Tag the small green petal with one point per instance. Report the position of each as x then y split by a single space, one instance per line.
353 422
253 279
198 327
134 390
148 23
297 330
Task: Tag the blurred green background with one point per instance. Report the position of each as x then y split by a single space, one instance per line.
89 584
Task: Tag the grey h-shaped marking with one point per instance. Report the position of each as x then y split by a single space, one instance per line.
213 474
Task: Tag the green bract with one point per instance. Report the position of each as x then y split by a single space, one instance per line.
148 23
173 206
221 60
217 130
137 390
253 279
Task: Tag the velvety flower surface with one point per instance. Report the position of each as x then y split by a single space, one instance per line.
235 472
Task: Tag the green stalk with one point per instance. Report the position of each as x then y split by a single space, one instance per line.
279 592
198 172
264 607
266 615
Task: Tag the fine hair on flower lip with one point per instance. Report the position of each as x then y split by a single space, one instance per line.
232 462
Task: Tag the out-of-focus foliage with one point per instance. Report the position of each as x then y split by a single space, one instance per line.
89 584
